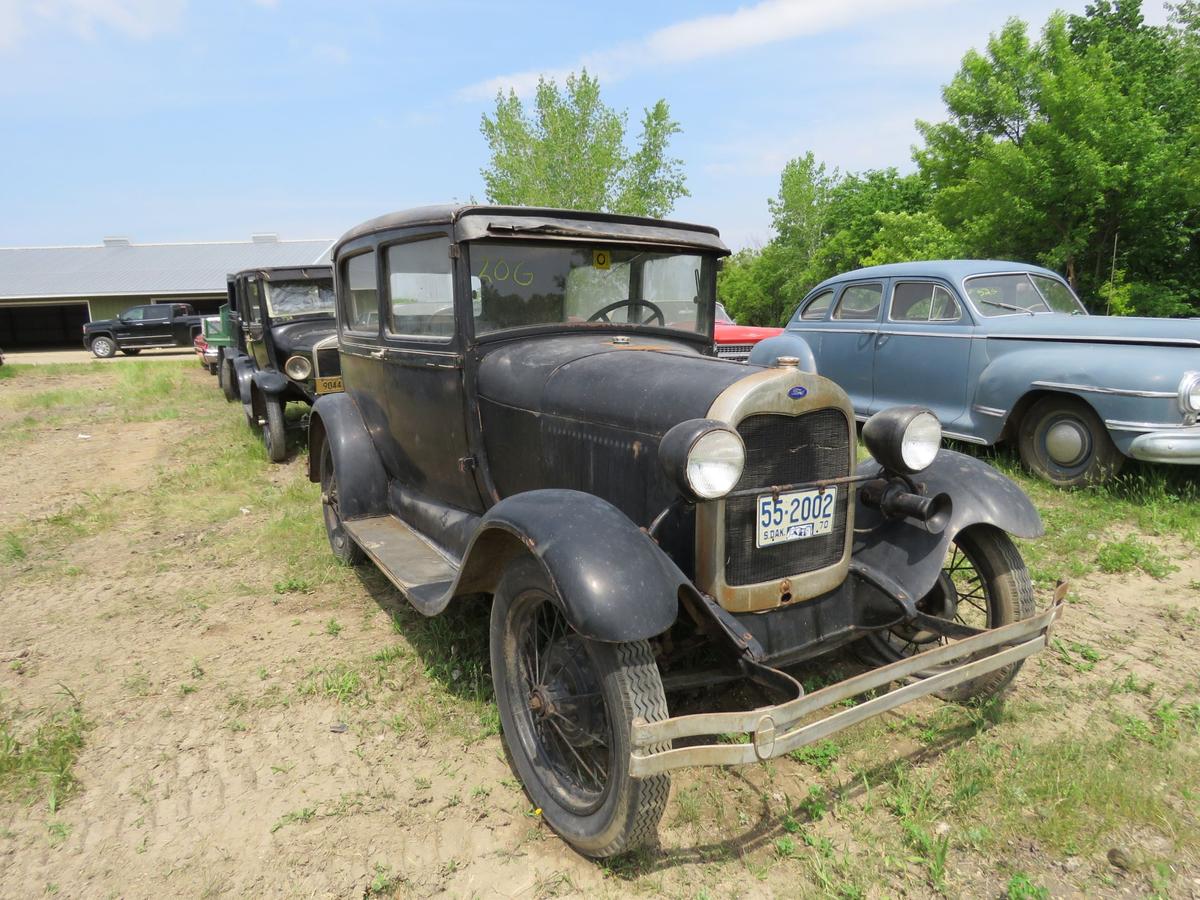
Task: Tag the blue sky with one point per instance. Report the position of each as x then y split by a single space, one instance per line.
171 120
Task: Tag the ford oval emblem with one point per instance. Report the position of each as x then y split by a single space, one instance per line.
798 393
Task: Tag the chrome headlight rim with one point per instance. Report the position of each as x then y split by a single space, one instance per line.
1189 393
298 368
904 439
704 458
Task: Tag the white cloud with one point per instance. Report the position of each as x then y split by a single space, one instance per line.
766 22
140 19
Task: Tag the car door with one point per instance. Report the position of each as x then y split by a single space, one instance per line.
923 350
847 344
255 324
131 329
156 326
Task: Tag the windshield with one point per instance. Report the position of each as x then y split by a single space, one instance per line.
723 316
516 285
299 298
1021 293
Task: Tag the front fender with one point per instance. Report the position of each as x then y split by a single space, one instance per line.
361 479
615 583
904 554
243 368
767 352
270 382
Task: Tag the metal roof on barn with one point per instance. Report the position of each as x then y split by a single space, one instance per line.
119 267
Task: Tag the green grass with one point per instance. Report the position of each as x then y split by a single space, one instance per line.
1132 553
38 751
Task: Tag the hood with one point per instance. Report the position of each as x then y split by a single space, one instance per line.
99 323
645 386
724 333
1098 329
299 335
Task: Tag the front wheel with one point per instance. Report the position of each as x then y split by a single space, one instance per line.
343 546
566 706
273 431
227 379
104 347
1063 441
984 583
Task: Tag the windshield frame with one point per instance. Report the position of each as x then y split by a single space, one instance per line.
269 285
705 312
1028 274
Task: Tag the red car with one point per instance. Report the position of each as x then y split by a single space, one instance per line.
735 341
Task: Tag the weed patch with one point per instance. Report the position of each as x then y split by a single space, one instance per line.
38 752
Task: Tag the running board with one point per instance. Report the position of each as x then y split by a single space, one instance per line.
421 573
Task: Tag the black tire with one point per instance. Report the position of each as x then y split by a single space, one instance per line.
212 368
273 431
133 352
571 747
342 545
1063 441
103 347
227 379
984 584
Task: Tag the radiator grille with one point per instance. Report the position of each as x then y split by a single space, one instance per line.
786 450
739 352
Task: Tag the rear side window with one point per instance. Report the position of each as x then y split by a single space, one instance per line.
860 302
362 293
156 313
420 289
818 306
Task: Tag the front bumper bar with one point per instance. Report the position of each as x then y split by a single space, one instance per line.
776 730
1179 445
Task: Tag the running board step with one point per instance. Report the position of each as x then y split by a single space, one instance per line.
409 561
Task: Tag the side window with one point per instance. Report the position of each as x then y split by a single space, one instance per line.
922 301
860 302
253 301
361 293
156 313
133 315
420 289
818 306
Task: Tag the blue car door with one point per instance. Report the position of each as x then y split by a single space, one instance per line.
923 350
847 341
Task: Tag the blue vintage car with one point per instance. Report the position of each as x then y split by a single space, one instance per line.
1004 351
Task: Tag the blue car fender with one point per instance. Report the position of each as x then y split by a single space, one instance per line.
907 555
767 352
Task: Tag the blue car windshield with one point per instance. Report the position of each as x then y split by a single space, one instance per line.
1017 293
518 284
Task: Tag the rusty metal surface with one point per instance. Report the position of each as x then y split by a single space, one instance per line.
774 730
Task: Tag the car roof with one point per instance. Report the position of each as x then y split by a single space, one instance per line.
952 270
614 226
294 272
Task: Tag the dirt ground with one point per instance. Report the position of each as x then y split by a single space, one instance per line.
263 725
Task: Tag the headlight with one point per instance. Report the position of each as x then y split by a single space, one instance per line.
703 457
1189 393
904 438
298 367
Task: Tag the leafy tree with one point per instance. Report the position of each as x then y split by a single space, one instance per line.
570 152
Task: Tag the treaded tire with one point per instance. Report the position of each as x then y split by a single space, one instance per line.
103 347
630 808
344 549
1099 458
227 380
1010 599
273 431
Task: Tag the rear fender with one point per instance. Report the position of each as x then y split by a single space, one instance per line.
615 583
767 352
362 481
244 369
903 555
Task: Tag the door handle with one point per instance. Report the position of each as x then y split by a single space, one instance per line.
881 339
379 354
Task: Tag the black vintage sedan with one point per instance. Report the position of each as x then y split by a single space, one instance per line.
533 414
285 345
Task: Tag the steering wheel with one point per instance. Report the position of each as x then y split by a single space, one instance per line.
601 315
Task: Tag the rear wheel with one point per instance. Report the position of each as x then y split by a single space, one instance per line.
228 380
983 584
566 706
1063 441
273 430
340 542
103 347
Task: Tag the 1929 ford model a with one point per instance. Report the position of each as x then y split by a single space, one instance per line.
533 412
287 348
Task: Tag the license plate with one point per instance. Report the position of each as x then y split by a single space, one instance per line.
795 516
330 384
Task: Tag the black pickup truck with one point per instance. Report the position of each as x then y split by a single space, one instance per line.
157 325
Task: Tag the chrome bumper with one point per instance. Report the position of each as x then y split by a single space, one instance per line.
1179 445
776 730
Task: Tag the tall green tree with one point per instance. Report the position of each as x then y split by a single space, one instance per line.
570 151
